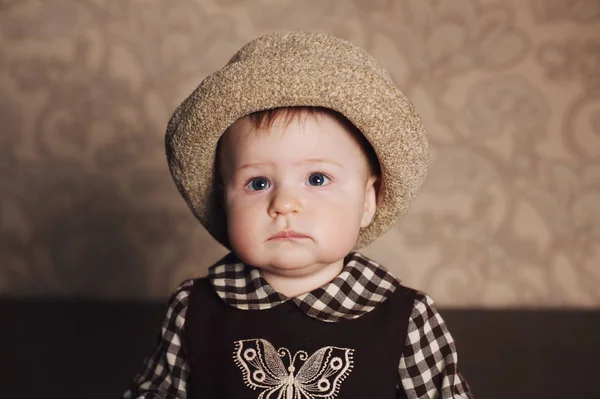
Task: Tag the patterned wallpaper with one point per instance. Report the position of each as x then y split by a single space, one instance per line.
509 90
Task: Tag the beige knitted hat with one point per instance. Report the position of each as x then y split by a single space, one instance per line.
286 69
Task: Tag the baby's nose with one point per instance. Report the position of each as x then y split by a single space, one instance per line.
284 202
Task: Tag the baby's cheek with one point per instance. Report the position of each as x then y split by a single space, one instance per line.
240 240
335 222
242 228
237 221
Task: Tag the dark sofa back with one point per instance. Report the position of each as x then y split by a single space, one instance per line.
85 349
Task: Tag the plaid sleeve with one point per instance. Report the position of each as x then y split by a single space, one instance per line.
165 371
429 364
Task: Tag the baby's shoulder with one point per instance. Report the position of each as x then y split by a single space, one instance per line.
181 294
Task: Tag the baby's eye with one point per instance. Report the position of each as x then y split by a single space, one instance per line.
317 179
258 183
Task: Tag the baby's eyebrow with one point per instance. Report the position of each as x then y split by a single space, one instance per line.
305 161
321 160
253 165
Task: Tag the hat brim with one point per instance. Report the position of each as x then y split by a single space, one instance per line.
370 101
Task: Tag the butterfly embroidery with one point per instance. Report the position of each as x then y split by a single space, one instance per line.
317 376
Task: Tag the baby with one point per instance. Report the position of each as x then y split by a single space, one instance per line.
294 155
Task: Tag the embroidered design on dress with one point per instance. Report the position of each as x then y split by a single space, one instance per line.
317 376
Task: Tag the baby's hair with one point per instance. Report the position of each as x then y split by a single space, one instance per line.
264 120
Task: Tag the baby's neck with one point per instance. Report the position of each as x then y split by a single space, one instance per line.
293 286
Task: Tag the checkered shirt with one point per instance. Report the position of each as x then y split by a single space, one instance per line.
428 366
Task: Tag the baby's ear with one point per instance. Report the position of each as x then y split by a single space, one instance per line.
370 202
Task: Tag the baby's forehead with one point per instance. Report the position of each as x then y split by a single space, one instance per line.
275 124
243 135
304 134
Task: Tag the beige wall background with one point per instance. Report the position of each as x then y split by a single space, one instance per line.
509 90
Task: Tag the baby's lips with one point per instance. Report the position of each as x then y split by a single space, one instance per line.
288 234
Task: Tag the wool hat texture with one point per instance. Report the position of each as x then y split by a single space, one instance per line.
291 69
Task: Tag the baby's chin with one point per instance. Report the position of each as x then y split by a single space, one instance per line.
289 263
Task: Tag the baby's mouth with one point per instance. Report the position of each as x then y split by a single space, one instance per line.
288 235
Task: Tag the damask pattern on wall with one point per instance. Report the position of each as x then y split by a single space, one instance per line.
509 91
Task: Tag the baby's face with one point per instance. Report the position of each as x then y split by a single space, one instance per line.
296 195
